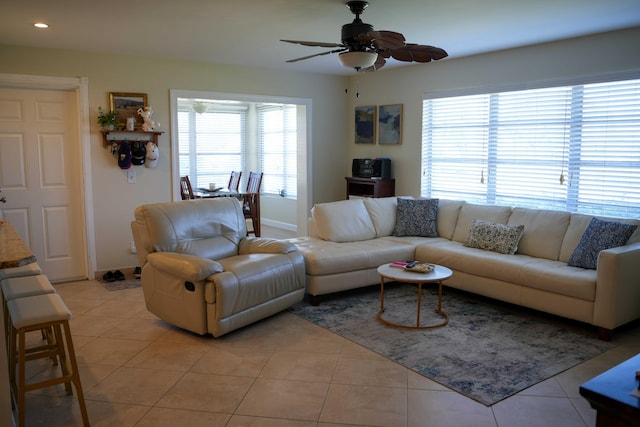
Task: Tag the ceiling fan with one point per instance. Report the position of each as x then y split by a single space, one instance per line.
366 49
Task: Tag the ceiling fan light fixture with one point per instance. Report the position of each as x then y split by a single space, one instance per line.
200 107
358 60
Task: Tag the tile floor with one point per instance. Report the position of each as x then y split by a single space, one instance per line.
284 371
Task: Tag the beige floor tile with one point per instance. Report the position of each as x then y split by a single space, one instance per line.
447 409
210 393
138 329
587 413
364 405
41 410
119 307
167 355
135 386
292 400
92 326
111 414
550 388
244 421
373 372
109 351
165 417
243 362
537 411
300 366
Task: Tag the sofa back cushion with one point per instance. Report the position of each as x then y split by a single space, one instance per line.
383 213
470 211
209 228
448 211
577 226
544 231
343 221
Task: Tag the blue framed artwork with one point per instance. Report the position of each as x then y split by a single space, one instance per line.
365 125
390 124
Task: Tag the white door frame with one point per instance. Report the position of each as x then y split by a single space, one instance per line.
80 85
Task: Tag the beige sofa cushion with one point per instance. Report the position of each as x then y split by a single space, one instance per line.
383 214
343 221
469 212
544 231
448 217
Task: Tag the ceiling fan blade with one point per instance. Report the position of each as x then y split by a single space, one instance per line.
418 53
317 54
382 40
318 44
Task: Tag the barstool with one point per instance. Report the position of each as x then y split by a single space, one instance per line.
20 287
36 313
31 269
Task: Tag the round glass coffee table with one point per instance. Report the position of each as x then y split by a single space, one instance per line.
438 275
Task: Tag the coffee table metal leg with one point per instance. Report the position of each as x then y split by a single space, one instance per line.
381 295
419 303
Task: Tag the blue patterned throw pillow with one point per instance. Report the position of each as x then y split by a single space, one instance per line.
598 236
416 217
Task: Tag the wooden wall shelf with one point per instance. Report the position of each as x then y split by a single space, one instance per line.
128 135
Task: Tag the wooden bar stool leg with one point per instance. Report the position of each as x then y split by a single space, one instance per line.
76 373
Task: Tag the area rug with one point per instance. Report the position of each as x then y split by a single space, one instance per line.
488 351
119 285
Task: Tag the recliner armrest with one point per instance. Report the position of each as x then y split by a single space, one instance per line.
263 245
187 267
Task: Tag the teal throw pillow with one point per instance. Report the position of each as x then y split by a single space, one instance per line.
598 236
416 217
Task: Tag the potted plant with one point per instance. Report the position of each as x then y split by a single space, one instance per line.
107 120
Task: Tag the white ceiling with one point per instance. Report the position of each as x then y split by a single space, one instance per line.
247 32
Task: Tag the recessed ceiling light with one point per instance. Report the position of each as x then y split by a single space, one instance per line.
41 25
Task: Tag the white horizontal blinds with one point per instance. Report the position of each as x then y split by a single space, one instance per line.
221 142
608 179
277 134
186 134
212 144
455 132
531 132
573 148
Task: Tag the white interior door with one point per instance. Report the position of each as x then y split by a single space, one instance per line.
41 177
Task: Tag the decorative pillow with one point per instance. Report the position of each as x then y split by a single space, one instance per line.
494 237
598 236
416 218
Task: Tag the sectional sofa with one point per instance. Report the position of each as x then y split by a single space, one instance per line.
541 259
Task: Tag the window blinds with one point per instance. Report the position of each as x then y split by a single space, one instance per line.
574 148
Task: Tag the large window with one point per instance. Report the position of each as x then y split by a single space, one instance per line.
217 137
574 148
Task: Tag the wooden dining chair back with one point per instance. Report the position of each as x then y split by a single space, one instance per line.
251 202
234 181
186 191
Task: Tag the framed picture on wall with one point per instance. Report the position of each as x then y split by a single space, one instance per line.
365 121
390 124
126 104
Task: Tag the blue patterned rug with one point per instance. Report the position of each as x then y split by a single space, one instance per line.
488 351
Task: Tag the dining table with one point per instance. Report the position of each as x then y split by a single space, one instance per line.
14 252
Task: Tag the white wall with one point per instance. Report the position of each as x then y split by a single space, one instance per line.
115 199
605 53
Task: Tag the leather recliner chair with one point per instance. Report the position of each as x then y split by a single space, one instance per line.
202 273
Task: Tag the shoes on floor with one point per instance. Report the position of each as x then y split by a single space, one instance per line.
112 276
137 272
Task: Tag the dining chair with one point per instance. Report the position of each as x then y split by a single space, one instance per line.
234 181
186 191
251 202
